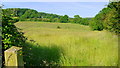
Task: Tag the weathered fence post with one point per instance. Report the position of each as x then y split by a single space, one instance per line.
13 57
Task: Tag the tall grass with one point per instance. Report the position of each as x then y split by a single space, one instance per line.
74 44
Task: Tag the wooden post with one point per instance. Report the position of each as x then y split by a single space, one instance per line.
13 57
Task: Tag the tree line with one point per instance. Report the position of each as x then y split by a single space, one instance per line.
108 18
24 14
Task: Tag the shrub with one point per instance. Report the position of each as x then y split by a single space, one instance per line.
10 34
58 27
96 25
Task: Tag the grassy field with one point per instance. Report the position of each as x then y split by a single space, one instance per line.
68 45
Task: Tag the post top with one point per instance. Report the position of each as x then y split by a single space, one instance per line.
13 49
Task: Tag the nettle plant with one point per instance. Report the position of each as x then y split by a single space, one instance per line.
11 36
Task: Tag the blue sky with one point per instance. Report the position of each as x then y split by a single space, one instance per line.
55 0
84 9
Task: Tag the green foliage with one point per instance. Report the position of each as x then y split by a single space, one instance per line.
107 18
71 20
85 21
14 12
114 26
47 15
77 19
24 14
96 25
29 14
97 21
64 19
10 34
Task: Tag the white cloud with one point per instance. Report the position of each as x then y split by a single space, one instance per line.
55 0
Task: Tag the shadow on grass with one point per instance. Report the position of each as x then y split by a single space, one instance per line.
36 55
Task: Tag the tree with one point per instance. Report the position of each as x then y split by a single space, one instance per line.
114 24
64 19
77 19
96 25
108 18
84 21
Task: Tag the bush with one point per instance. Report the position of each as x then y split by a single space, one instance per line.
84 21
58 27
10 34
96 25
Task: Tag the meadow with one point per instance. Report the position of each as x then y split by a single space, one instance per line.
67 44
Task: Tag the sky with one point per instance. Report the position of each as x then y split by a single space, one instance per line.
56 0
84 9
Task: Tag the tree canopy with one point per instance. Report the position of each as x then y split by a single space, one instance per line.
108 18
64 19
